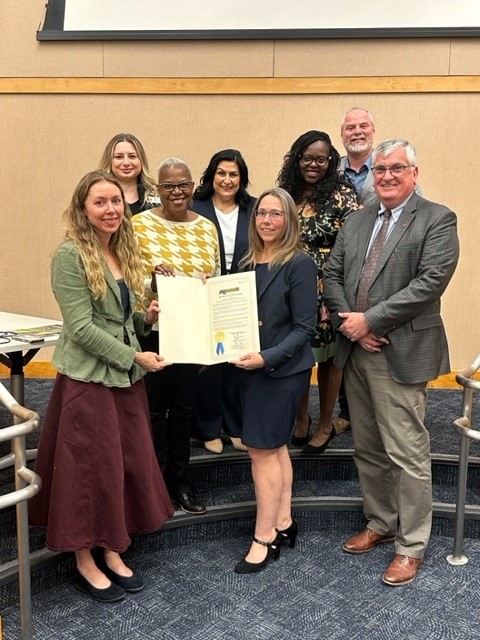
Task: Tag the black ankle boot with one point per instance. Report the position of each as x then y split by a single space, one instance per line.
288 534
273 551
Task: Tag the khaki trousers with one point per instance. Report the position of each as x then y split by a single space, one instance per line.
392 450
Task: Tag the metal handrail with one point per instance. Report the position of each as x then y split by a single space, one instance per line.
27 484
462 426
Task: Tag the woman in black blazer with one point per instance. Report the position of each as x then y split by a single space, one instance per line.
222 197
273 380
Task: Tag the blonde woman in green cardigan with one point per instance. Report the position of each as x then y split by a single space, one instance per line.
101 480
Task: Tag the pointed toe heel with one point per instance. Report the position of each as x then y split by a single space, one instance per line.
301 441
273 551
311 449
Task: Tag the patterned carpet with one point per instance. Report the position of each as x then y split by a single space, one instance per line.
313 592
443 407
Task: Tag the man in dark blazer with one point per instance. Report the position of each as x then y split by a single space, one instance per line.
391 341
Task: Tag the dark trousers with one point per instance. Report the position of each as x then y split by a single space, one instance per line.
169 395
216 403
343 404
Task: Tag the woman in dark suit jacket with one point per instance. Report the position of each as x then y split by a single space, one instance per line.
222 197
274 379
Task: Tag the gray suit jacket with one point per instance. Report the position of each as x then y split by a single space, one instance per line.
417 263
367 194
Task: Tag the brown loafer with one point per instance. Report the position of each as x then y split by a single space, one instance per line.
365 541
401 570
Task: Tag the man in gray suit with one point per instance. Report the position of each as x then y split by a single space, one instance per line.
357 130
385 303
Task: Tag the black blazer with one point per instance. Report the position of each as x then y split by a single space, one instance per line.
206 209
287 314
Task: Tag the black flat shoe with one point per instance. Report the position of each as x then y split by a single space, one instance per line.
301 441
289 534
113 593
187 503
131 584
273 551
310 449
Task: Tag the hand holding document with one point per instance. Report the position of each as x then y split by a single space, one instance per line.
207 323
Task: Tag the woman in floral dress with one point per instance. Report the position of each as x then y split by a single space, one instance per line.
324 197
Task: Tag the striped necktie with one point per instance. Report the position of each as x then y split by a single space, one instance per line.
371 262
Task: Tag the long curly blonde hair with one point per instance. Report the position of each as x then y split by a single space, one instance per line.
123 242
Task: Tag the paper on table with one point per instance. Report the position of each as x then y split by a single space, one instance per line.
44 330
207 323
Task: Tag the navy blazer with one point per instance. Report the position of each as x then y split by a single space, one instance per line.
206 209
287 313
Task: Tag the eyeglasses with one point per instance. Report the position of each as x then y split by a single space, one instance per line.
395 170
6 337
274 214
320 161
183 186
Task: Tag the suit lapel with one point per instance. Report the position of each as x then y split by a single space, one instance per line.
267 280
209 212
241 236
367 186
113 285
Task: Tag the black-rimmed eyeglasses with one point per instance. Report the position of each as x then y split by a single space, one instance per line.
320 161
170 186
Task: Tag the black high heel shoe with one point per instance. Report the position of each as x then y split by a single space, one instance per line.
273 551
310 449
301 441
288 534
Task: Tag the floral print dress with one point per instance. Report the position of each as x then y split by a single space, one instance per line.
318 232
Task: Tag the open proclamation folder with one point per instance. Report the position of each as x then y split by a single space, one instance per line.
207 323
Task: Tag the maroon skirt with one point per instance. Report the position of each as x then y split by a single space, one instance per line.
100 477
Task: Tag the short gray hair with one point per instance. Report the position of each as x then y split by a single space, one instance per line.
170 162
342 124
388 146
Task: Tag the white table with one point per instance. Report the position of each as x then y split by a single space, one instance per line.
15 354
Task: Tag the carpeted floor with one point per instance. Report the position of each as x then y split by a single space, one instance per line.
314 592
443 407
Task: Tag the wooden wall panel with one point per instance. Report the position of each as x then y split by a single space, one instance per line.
385 57
21 55
189 59
53 136
465 56
53 140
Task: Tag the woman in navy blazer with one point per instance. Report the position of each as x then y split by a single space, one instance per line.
222 197
274 379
